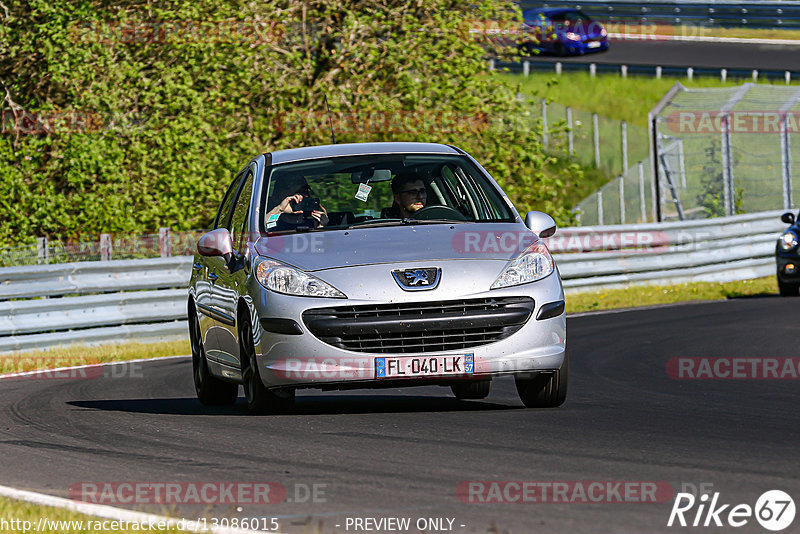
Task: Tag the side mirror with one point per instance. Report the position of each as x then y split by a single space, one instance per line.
788 218
216 243
541 223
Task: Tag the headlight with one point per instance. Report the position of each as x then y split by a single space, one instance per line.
533 264
573 36
283 278
788 240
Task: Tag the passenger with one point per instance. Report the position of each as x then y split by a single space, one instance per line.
410 195
288 193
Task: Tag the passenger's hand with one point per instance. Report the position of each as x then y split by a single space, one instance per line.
320 216
286 205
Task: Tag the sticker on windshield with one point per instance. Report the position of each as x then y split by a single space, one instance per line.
272 220
363 192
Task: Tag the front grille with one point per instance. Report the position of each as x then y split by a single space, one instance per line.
419 326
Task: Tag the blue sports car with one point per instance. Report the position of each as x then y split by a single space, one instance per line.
561 31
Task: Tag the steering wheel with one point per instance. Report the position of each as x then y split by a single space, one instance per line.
438 212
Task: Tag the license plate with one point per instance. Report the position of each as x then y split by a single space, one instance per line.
593 44
417 366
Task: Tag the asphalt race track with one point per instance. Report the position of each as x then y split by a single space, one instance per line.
691 54
403 453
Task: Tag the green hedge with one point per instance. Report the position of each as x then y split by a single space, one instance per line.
146 111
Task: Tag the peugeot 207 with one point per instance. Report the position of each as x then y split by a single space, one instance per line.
374 265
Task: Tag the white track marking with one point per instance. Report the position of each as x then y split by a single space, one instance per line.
701 39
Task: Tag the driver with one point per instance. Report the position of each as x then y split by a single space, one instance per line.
410 194
289 192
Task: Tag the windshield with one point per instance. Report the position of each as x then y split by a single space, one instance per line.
378 190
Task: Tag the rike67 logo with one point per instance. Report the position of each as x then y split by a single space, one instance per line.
774 510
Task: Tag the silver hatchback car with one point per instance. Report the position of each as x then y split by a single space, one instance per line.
374 265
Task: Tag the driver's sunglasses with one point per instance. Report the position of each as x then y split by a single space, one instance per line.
415 192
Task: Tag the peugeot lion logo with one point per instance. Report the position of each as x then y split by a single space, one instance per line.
417 279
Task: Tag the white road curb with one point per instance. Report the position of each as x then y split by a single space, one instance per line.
702 39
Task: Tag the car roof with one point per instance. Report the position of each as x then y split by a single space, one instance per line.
357 149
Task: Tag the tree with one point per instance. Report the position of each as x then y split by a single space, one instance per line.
123 117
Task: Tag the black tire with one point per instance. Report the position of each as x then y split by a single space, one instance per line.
474 389
211 391
259 399
545 390
788 290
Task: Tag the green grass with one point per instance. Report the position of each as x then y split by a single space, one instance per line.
13 510
74 355
636 296
608 95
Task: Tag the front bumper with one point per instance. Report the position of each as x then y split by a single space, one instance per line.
303 360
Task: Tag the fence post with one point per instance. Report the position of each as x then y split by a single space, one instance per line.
558 68
526 67
658 72
544 123
755 75
786 163
642 206
164 244
727 171
105 247
600 207
624 129
624 71
592 70
491 64
723 74
621 199
570 138
788 76
596 129
682 163
42 250
690 73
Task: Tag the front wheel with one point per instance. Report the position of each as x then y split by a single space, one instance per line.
259 398
545 390
211 391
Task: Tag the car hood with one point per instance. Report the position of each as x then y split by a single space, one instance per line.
314 251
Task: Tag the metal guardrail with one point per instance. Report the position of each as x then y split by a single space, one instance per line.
524 66
145 300
723 249
93 302
765 14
